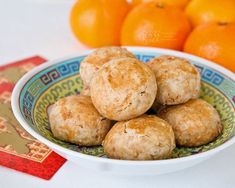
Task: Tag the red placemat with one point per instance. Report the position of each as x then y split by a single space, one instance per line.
18 149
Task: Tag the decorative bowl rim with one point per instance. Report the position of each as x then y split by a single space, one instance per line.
21 83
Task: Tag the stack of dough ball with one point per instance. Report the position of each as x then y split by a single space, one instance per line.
123 88
74 119
117 86
142 138
178 80
194 123
93 62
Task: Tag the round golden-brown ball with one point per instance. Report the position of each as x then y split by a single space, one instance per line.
178 80
194 123
142 138
74 119
94 61
123 88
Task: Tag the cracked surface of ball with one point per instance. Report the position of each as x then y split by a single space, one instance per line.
123 89
178 80
74 119
142 138
194 123
94 61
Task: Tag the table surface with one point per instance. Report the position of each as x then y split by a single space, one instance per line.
40 27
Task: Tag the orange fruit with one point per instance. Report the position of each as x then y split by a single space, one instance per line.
154 24
98 23
214 41
178 3
203 11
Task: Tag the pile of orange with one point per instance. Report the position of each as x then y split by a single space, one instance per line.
202 27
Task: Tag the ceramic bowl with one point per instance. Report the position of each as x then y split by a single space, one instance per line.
56 79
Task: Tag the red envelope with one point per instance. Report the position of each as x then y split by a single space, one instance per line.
18 149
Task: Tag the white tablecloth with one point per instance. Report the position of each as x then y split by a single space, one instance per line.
30 27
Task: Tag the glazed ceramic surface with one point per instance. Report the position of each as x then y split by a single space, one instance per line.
53 80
